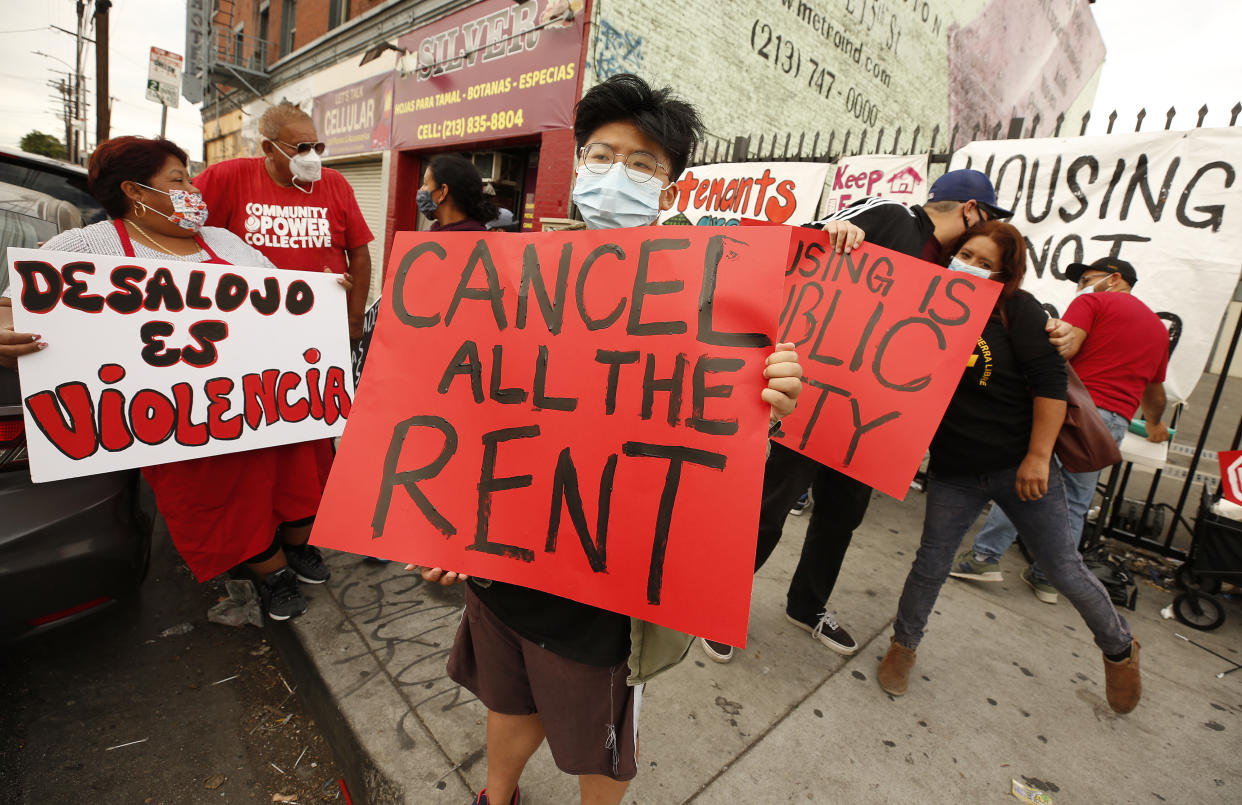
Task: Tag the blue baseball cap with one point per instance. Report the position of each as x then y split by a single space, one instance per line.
968 185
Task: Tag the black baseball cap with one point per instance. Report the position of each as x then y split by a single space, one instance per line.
968 185
1109 265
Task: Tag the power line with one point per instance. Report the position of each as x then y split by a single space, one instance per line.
25 30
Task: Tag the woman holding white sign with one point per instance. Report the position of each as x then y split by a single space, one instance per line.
253 507
995 443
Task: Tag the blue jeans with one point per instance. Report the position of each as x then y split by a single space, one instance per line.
998 533
954 502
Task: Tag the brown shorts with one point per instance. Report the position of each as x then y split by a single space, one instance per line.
589 714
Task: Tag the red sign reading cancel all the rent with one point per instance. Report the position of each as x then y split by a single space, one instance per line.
577 412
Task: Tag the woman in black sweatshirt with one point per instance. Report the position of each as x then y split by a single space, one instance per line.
995 443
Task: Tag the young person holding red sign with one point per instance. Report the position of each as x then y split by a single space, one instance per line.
545 666
995 443
253 507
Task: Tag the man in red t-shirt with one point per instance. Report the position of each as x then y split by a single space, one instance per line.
288 206
1120 350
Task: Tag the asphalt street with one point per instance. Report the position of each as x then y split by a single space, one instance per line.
150 703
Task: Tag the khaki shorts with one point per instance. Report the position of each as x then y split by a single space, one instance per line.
589 714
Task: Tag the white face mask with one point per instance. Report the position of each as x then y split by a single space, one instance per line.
614 201
306 167
957 265
1092 288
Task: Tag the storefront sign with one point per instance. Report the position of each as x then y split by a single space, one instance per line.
357 118
723 194
883 340
494 69
1168 202
152 361
577 412
900 178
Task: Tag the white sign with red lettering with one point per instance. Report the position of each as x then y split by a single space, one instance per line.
900 178
725 193
152 361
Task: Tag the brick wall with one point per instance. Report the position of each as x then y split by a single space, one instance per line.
763 66
554 175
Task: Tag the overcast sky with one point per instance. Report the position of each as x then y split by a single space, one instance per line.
1160 54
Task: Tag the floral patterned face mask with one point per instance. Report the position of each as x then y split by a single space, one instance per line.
189 209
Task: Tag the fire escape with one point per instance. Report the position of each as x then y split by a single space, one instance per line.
238 52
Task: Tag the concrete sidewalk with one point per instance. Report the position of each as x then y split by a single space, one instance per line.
1005 688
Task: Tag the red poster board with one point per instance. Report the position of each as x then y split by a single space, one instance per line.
516 382
883 339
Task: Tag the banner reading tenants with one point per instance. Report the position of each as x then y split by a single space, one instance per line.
577 412
152 361
494 69
883 340
725 193
1169 202
900 178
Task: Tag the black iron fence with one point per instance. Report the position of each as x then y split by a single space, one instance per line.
1144 526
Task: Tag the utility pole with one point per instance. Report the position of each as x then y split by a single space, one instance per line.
103 103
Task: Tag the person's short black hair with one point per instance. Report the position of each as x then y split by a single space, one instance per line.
661 117
126 159
465 186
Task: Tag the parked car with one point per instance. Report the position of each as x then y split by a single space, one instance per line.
68 548
62 180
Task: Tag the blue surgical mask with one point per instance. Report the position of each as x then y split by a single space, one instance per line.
425 203
1092 288
614 201
957 265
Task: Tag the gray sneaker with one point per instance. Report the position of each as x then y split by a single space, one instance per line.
968 566
1043 590
281 597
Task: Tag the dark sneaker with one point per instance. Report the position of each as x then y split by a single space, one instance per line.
308 563
716 652
969 566
1043 590
803 504
281 598
826 630
482 799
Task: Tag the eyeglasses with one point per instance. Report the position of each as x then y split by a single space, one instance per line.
306 148
1094 278
640 166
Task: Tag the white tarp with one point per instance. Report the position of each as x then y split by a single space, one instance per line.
1169 202
900 178
152 361
725 193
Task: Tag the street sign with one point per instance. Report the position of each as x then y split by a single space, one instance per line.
164 77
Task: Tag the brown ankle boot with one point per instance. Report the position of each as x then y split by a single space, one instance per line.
1122 681
894 673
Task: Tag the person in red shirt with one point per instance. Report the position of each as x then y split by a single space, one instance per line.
298 213
1120 350
452 196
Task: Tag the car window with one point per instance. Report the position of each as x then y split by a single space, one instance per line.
21 231
69 188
